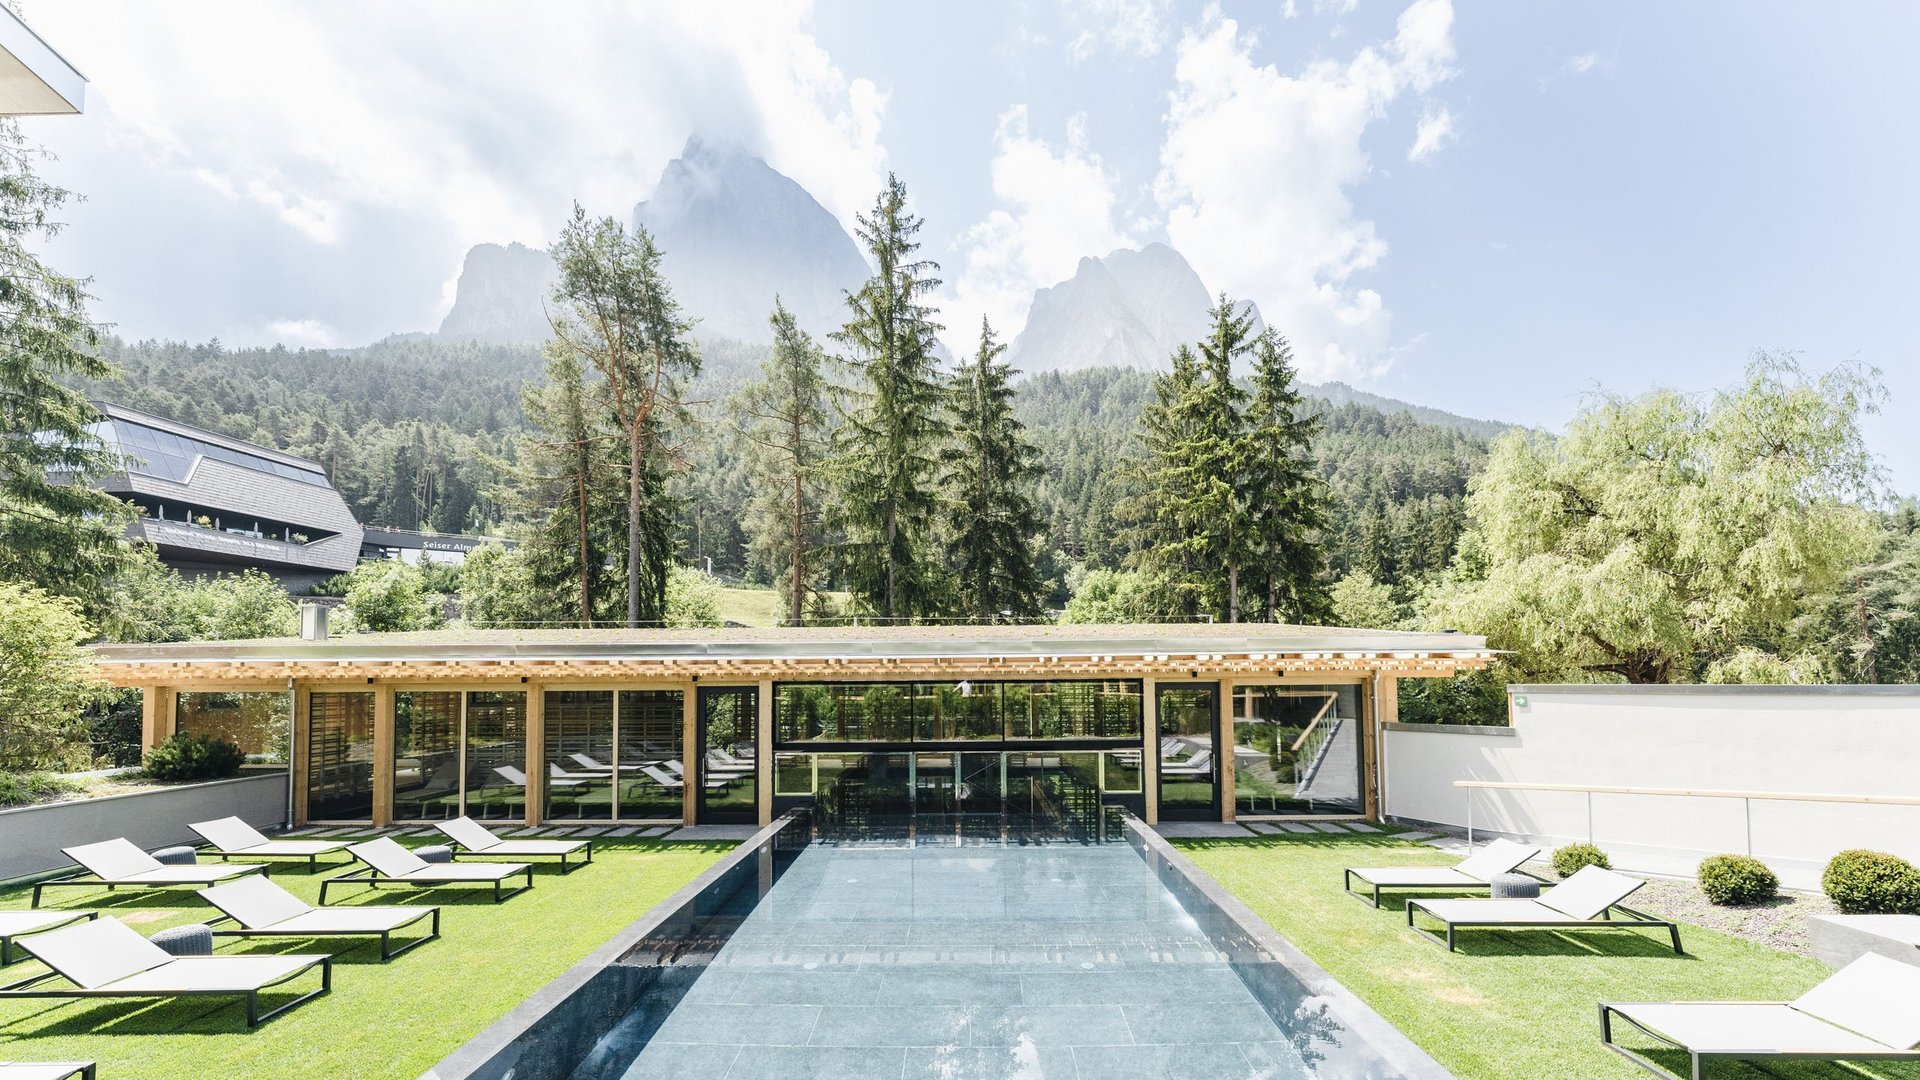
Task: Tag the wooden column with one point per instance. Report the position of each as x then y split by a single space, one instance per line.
158 713
1150 751
383 737
690 754
1223 753
763 751
536 754
1386 710
298 752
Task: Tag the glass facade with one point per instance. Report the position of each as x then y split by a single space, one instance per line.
426 755
259 723
340 756
496 754
652 730
580 761
729 792
957 712
1189 751
1297 749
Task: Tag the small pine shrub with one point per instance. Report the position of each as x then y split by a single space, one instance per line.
1872 883
1737 879
1573 858
194 757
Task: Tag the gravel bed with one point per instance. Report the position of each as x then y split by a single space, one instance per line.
1780 924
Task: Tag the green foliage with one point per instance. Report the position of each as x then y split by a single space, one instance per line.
1474 697
1758 667
568 487
1111 596
693 598
1282 497
150 602
1871 883
1737 880
1573 858
1363 603
785 422
497 588
182 757
47 680
55 530
1867 629
885 452
390 596
28 788
987 472
1661 534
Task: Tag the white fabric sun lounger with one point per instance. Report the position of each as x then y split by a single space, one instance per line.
260 908
48 1070
15 924
116 863
1868 1010
1585 901
230 837
106 958
586 762
1200 764
475 839
674 783
390 864
1470 874
518 779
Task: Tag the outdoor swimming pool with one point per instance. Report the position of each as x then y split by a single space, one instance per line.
955 960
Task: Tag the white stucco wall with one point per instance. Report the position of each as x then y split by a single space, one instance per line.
1796 740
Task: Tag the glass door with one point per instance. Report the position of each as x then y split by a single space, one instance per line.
729 788
1189 751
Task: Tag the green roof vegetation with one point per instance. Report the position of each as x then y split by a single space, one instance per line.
382 1020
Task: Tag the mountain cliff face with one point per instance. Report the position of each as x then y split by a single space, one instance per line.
736 233
500 294
1127 309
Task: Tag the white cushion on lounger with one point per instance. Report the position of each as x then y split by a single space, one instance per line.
1877 996
1591 891
394 861
96 953
350 920
1744 1027
113 859
229 834
255 902
468 833
26 922
1500 857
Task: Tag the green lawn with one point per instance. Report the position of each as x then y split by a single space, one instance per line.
381 1020
1517 1005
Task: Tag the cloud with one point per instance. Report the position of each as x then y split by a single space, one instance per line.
1583 63
301 333
1574 67
468 121
1138 27
1256 169
1057 205
1436 130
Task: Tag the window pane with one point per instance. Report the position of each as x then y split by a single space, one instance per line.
261 724
340 756
1297 749
729 790
652 727
426 755
496 754
579 752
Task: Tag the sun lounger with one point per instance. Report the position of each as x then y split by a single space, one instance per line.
390 864
1470 874
260 908
1200 764
46 1070
519 779
674 783
106 958
476 840
230 837
1585 901
118 863
1867 1011
15 924
593 764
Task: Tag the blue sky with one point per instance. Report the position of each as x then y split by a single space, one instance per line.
1493 209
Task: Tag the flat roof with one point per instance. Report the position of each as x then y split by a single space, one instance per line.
34 79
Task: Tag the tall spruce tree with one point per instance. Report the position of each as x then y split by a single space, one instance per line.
1159 525
788 427
1213 463
56 531
989 471
1284 496
886 451
568 470
614 307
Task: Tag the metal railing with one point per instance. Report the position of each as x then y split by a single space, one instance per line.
1747 798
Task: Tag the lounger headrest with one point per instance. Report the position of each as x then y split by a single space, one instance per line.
93 954
1500 857
1874 996
1588 893
255 902
469 833
113 859
229 834
388 857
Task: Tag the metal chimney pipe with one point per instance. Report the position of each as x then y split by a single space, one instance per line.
313 622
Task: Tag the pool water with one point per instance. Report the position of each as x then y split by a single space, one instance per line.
994 960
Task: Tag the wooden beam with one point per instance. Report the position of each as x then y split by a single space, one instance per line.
763 751
301 751
536 768
690 755
1385 710
159 711
1150 751
383 741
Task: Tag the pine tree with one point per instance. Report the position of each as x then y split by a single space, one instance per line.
615 308
1214 462
567 469
787 431
1284 495
885 453
989 470
1160 528
55 530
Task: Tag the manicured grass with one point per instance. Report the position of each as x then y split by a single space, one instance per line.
750 607
381 1020
1508 1004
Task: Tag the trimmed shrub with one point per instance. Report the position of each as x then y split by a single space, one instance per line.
1872 883
1573 858
1737 879
194 757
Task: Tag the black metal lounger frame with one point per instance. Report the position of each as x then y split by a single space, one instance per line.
6 940
254 1016
85 1071
313 860
482 856
374 878
1699 1058
1636 920
87 879
1347 884
387 952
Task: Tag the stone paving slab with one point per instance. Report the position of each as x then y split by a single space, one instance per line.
658 830
1324 826
1415 835
1264 828
625 830
1297 827
1200 830
1362 826
525 832
600 830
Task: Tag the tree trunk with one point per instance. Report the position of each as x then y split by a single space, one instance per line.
893 533
1233 593
796 602
634 456
586 570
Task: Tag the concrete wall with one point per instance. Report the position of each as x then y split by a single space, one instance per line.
31 836
1798 740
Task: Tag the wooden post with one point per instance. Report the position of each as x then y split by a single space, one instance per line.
1150 751
299 752
536 768
1386 710
158 714
1223 754
691 754
763 751
383 740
